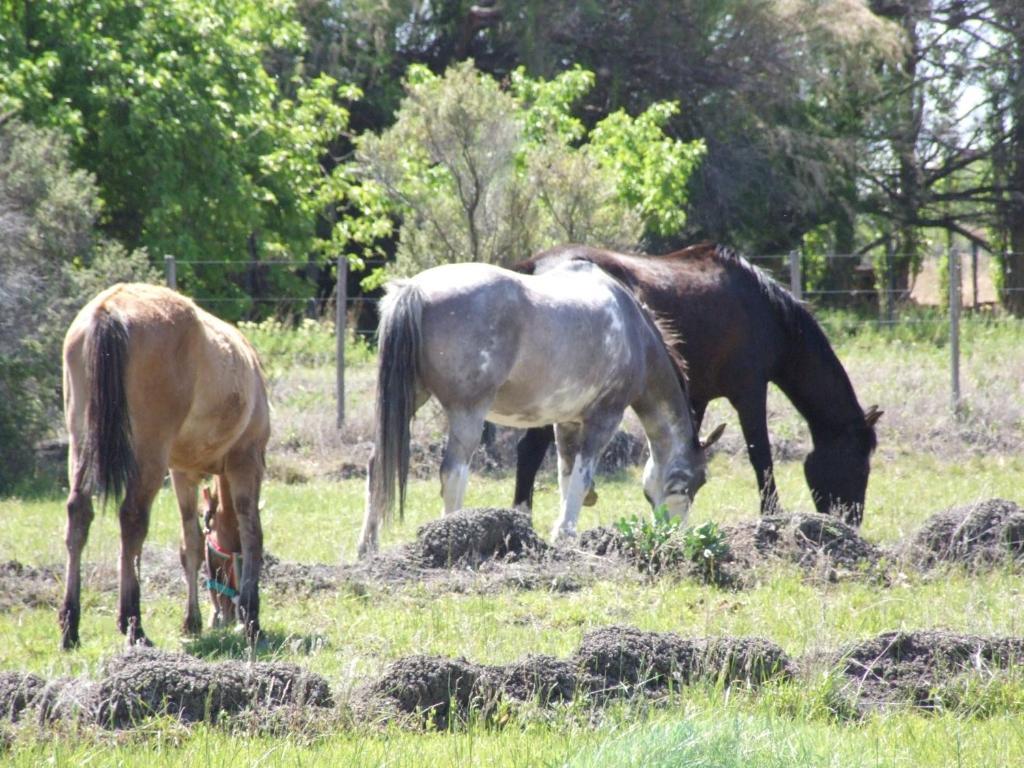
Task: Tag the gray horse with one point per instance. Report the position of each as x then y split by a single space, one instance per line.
570 347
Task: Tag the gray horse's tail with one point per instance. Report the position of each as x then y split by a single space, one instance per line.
108 447
398 356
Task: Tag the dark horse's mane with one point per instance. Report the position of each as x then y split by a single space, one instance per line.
800 326
664 328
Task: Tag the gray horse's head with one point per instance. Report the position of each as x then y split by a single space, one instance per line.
675 483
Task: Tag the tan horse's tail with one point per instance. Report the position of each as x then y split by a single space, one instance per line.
109 444
398 356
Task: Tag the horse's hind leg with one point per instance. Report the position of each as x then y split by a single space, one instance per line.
244 473
134 517
464 429
80 515
530 451
186 488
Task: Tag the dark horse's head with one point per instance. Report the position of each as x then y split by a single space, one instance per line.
837 469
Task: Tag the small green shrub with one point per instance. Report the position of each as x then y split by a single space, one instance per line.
659 542
653 543
705 546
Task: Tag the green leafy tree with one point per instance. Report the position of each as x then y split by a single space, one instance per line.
51 262
204 139
480 173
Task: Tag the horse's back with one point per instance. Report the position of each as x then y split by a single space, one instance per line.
733 337
192 382
528 344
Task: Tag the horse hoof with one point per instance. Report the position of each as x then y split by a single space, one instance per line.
563 536
590 499
68 643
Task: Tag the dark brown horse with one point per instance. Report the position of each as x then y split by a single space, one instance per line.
152 382
739 330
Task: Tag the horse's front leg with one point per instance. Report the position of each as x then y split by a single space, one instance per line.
754 423
191 551
571 481
464 429
579 447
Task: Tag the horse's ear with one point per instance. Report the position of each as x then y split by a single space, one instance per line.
872 415
713 437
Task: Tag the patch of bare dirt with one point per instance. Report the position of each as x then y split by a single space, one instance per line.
482 550
145 682
976 535
824 546
18 692
626 658
613 661
910 667
471 536
28 586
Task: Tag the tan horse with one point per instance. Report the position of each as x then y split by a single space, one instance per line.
152 382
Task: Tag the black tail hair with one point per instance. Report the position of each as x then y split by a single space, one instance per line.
108 451
398 356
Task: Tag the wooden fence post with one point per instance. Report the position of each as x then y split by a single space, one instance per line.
954 329
795 281
340 332
171 271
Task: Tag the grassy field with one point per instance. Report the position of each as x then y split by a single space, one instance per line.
926 462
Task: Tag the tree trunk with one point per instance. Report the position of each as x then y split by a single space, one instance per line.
1013 263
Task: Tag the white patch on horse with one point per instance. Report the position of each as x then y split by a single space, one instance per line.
485 361
573 489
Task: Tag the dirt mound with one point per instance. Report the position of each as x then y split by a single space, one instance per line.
910 667
28 586
481 550
428 689
18 692
471 536
977 535
540 678
627 658
297 578
602 540
624 450
815 542
146 682
422 690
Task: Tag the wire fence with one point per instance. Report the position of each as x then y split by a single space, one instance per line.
933 299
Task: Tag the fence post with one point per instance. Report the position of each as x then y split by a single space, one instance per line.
171 271
889 289
954 328
974 276
340 332
795 282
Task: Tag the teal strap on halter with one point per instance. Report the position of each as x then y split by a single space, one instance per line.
223 589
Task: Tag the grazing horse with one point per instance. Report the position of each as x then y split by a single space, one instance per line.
737 330
152 382
570 347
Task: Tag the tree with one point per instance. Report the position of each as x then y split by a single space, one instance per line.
775 90
203 136
478 173
51 262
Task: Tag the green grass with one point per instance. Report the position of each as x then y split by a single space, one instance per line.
347 636
926 462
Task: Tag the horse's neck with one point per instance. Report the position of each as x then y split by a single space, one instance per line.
818 386
664 411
